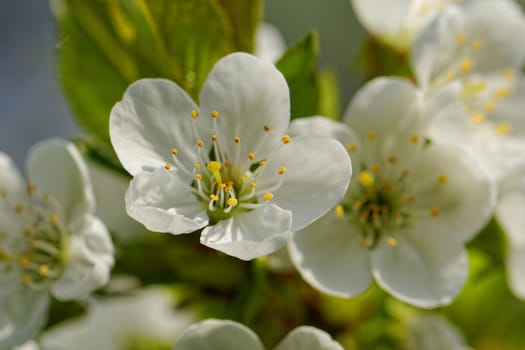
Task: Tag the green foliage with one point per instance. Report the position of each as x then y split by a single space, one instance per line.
107 45
311 92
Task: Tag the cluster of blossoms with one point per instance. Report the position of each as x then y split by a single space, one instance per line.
390 194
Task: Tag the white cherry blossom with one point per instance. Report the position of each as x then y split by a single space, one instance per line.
409 211
228 167
50 240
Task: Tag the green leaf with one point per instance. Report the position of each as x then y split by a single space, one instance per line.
298 67
106 45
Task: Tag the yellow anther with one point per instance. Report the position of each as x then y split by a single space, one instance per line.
366 179
237 140
194 114
502 92
371 135
214 197
414 139
214 167
244 178
253 185
489 105
449 76
215 114
228 189
31 188
434 211
167 166
367 241
375 168
339 211
476 44
221 186
26 279
200 143
351 147
267 196
198 177
174 151
53 219
466 64
19 208
251 155
461 38
392 159
266 128
282 170
230 183
286 139
391 241
25 260
197 166
442 178
227 163
262 163
503 128
43 270
232 201
478 118
214 137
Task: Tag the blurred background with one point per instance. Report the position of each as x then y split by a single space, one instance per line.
32 107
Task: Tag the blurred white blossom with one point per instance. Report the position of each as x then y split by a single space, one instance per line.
230 335
50 240
144 320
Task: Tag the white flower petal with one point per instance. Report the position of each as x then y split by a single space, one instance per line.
13 191
510 215
422 269
218 335
466 199
382 18
386 106
331 256
308 338
317 174
321 126
248 94
434 48
269 43
163 203
252 234
432 332
88 262
56 167
23 313
110 189
154 116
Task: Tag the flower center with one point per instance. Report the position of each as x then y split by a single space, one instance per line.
37 251
380 200
227 184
